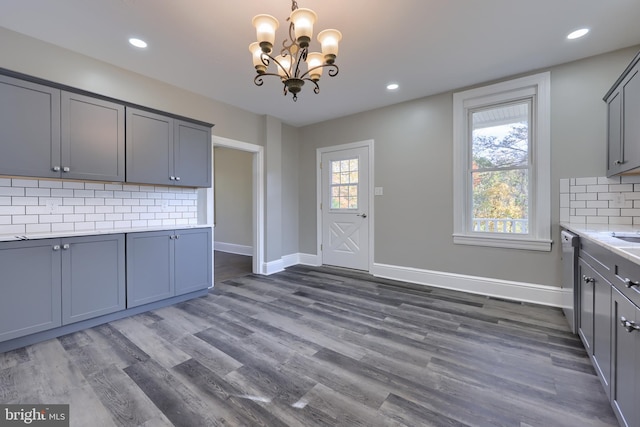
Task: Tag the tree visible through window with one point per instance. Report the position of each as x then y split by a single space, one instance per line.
500 168
344 184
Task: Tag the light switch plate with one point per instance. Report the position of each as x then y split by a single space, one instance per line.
377 191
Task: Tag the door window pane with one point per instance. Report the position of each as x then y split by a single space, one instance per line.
344 184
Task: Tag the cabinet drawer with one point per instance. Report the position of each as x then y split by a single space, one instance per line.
598 258
627 279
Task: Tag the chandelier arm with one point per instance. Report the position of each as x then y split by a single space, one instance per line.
259 81
333 71
316 89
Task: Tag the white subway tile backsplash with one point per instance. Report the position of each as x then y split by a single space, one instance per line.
581 204
597 220
621 220
586 181
51 205
587 196
620 187
630 179
598 204
598 188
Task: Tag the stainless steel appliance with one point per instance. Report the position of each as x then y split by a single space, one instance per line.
570 283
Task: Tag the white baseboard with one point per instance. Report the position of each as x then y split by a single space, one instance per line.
517 291
232 248
309 259
287 261
272 267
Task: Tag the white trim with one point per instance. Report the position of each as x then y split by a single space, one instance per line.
258 195
517 291
272 267
310 259
540 237
232 248
369 144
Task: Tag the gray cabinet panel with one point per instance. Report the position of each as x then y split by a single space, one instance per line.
585 325
30 288
93 276
625 358
149 267
631 118
601 331
92 139
192 154
193 260
29 128
614 134
149 147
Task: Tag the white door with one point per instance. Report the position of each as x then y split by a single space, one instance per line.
345 208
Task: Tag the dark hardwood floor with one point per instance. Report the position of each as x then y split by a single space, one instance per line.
229 266
318 347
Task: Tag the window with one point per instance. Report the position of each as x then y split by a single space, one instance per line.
344 184
502 165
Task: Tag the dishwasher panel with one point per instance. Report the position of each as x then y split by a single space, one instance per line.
570 282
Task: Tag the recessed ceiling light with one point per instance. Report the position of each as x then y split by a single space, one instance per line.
578 33
393 86
138 43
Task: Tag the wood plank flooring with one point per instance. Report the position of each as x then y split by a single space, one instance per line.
318 347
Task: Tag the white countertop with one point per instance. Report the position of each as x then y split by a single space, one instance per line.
603 235
35 236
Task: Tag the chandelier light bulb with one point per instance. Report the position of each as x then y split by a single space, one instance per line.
303 20
329 40
266 26
256 53
315 59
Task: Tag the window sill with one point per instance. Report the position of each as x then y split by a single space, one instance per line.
503 242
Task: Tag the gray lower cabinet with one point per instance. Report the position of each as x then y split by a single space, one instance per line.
625 334
31 288
93 276
587 276
163 264
53 282
167 151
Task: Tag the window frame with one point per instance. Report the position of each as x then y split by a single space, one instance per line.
538 87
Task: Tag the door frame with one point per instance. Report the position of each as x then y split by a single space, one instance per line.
257 196
369 144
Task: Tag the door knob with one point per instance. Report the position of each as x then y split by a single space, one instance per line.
364 215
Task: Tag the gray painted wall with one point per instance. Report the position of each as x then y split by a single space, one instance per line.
413 163
290 189
233 176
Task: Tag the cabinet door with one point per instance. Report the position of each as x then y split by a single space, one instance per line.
93 276
92 138
585 329
192 154
193 259
631 119
625 358
29 128
149 147
149 267
30 287
614 133
602 330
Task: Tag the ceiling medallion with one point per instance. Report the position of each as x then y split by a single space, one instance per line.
290 64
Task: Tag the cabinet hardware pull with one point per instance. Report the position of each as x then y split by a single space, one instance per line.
56 247
588 279
618 162
172 178
56 168
629 283
66 169
629 326
177 178
65 247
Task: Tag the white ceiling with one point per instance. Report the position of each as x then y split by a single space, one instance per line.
427 46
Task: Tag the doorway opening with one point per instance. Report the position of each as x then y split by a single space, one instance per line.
256 250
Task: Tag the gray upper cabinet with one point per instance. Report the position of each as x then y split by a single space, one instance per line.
623 126
30 286
92 139
45 132
167 151
29 128
93 276
163 264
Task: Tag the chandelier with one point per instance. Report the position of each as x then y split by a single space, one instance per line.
290 64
